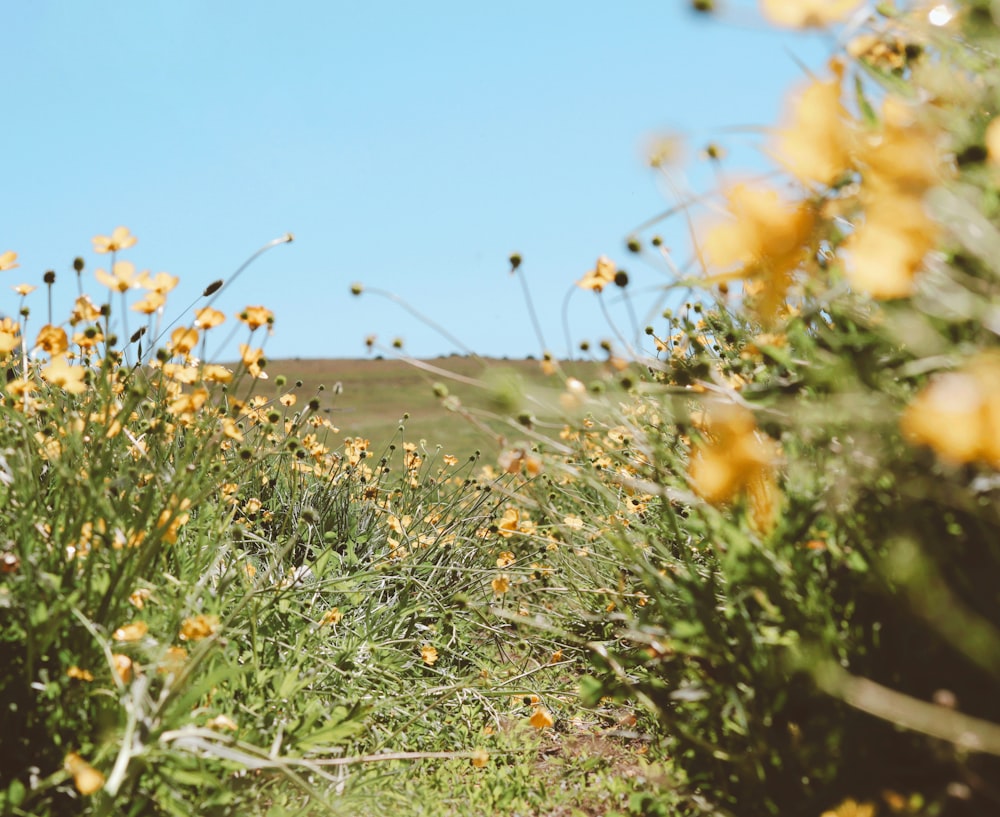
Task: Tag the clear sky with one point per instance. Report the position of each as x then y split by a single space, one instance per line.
409 146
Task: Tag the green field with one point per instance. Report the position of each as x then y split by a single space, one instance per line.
369 397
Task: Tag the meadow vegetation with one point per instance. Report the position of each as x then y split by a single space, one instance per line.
752 572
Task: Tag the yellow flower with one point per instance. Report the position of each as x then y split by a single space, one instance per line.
52 339
24 289
331 617
501 584
207 317
84 310
601 276
79 674
8 260
172 661
173 518
183 340
198 627
505 559
541 718
765 240
149 303
958 414
992 142
187 405
85 777
818 142
122 277
429 654
480 758
256 317
734 458
807 13
254 361
60 373
213 373
10 339
161 283
123 667
131 632
120 239
138 598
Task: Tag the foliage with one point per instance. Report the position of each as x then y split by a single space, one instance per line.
799 488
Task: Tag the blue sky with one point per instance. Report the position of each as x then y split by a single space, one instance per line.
408 146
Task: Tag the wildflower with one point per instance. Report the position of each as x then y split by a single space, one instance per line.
807 13
84 310
131 632
449 459
198 627
8 260
86 778
79 674
120 239
24 289
818 142
122 277
149 303
501 584
541 718
173 660
428 654
331 617
764 241
505 559
514 460
958 414
161 283
187 405
214 373
138 598
122 666
992 142
10 338
256 317
52 339
288 400
736 458
601 276
207 317
60 373
254 361
183 340
480 758
172 518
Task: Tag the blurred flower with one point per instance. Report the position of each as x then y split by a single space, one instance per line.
79 674
817 143
122 665
207 317
131 632
501 584
734 458
506 559
52 339
256 317
807 13
183 340
24 289
765 240
161 283
85 777
120 239
84 310
252 359
958 414
8 260
601 276
331 617
541 718
149 303
122 277
60 373
480 758
198 627
429 654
